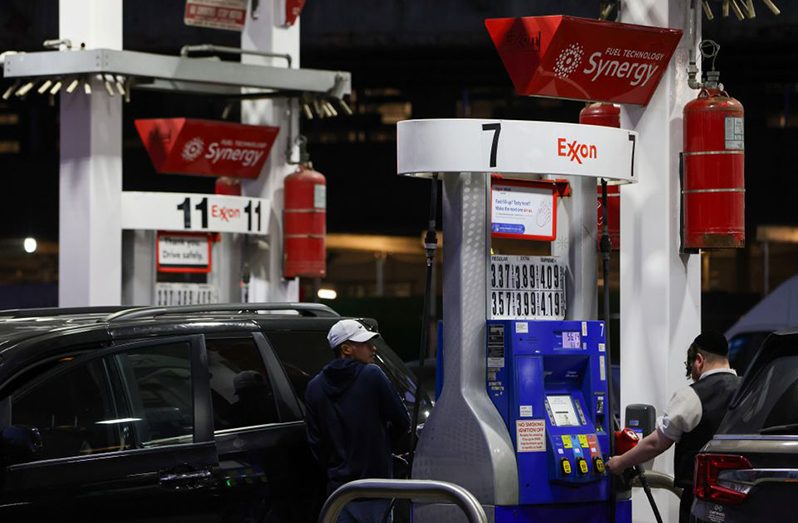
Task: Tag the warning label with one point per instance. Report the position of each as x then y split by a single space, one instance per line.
216 14
530 435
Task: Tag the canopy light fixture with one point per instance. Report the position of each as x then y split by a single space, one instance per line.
120 71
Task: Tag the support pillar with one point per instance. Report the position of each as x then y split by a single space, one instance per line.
265 33
90 185
460 443
660 288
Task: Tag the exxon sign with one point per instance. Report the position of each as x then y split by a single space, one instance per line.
582 59
206 147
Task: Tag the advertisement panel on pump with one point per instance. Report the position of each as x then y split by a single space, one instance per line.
583 59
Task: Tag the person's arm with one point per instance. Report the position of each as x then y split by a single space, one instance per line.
392 408
313 435
649 447
682 414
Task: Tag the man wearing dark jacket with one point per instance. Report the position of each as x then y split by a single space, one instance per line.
692 416
354 417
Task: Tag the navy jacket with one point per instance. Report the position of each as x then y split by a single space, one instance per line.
354 416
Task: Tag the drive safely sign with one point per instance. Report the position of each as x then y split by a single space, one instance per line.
195 212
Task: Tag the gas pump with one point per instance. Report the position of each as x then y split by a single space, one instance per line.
522 420
552 395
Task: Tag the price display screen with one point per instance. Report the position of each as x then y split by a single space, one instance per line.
562 412
526 287
571 340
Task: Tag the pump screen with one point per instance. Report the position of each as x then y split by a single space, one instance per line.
562 411
571 340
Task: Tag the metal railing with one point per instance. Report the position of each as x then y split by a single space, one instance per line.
402 488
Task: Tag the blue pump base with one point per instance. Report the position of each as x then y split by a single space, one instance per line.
572 513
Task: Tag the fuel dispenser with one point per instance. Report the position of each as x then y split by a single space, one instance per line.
552 395
523 418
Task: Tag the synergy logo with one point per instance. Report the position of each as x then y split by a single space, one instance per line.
246 153
610 63
638 73
192 149
575 151
569 60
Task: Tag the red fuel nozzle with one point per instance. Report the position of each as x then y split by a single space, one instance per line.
625 440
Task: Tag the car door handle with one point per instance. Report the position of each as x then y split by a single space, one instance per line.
189 480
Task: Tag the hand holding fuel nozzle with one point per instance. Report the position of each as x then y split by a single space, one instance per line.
625 440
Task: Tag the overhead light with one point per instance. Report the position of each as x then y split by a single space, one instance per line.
8 92
56 87
108 83
22 91
72 85
45 86
327 294
29 245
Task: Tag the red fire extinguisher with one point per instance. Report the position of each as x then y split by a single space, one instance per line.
305 223
608 115
713 185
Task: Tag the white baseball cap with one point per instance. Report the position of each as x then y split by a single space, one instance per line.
349 330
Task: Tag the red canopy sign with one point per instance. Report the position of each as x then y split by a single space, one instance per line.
206 147
582 59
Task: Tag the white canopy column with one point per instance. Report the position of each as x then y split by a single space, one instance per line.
90 240
660 288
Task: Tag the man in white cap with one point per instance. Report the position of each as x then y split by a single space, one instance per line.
355 417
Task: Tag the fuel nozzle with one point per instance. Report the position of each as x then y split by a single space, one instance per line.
625 440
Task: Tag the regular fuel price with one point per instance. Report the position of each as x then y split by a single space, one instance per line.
526 287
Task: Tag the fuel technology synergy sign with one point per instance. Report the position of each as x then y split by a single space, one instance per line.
206 147
583 59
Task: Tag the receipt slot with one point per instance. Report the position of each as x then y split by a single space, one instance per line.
548 381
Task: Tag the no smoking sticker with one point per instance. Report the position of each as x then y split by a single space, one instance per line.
530 435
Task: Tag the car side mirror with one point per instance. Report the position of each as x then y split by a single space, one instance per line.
19 443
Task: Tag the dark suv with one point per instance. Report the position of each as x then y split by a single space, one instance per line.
164 414
749 470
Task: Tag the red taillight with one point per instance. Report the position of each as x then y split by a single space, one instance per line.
705 478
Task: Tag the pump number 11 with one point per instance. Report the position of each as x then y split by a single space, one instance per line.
223 213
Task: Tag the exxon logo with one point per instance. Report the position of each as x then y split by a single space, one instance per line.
575 151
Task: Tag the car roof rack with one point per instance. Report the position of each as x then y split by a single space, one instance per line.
56 311
318 310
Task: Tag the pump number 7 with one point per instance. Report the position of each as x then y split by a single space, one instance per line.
494 146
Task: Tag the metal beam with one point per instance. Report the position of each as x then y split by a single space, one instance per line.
206 75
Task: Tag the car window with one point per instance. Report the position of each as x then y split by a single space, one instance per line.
241 391
74 412
160 403
768 399
303 353
742 348
395 368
